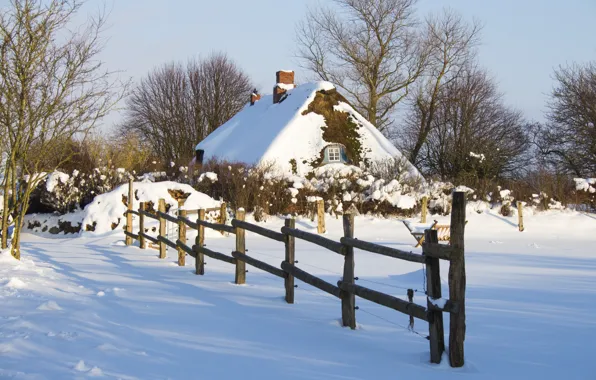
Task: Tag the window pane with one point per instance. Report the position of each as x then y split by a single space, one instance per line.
334 155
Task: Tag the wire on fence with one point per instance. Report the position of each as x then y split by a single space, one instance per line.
394 323
424 278
299 263
385 284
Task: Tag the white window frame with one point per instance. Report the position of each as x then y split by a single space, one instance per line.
334 154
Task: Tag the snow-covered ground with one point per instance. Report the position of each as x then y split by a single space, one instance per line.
89 306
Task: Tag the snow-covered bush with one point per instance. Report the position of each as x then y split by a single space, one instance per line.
585 184
255 188
64 192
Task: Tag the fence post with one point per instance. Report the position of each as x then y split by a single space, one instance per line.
457 281
290 259
142 243
240 247
128 239
182 238
424 209
348 300
433 290
321 216
411 300
520 216
200 242
223 213
161 207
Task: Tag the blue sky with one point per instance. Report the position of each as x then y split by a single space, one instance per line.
522 41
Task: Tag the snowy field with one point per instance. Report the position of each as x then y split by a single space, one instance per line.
91 307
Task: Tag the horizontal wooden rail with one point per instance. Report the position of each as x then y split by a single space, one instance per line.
214 255
166 242
188 222
439 251
134 212
168 217
394 303
148 214
381 250
258 264
134 236
186 248
217 227
310 279
258 230
315 239
148 237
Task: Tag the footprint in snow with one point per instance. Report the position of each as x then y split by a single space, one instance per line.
15 283
82 367
534 245
49 306
496 242
63 335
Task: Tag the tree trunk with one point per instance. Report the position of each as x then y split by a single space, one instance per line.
20 211
15 242
5 210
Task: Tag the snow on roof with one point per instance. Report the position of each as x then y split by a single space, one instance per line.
278 133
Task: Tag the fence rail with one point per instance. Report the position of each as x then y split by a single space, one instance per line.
346 289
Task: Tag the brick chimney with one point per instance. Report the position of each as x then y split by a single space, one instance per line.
285 82
254 97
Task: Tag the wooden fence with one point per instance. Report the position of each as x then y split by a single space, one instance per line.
346 289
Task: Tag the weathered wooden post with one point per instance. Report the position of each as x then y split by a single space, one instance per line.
457 281
161 207
223 213
433 290
241 248
200 242
128 239
411 300
321 216
348 300
181 237
290 243
520 216
424 209
142 243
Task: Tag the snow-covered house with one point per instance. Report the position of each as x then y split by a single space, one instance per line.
299 128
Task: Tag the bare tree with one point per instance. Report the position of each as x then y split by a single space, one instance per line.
52 88
220 89
175 106
473 135
451 42
568 140
369 48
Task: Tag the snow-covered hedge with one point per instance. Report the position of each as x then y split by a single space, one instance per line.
106 212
